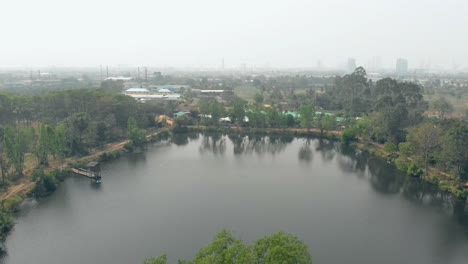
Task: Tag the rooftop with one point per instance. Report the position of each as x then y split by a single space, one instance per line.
141 90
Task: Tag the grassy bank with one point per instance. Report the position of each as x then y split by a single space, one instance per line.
444 181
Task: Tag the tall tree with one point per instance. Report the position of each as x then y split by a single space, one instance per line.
425 140
307 113
281 248
136 136
225 248
238 111
454 149
442 106
44 144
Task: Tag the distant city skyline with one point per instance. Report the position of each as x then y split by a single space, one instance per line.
279 34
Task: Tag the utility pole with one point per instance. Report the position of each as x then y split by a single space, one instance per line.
107 71
146 74
138 72
100 66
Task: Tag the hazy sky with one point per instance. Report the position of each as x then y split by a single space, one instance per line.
294 33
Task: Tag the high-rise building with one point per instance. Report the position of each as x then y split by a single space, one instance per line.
351 64
319 65
401 67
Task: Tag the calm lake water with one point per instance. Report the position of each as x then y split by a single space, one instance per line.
174 197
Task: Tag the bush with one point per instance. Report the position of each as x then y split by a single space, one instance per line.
163 135
348 135
48 183
106 156
402 164
414 170
12 204
6 224
37 173
390 147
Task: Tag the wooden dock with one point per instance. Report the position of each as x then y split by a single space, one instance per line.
92 171
85 173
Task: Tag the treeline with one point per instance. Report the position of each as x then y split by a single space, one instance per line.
225 248
68 123
385 112
214 113
391 113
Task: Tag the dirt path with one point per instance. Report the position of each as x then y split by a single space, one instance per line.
22 186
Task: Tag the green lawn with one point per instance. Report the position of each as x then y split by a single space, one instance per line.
246 92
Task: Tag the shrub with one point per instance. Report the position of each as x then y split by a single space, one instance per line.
48 183
413 170
402 164
348 135
390 147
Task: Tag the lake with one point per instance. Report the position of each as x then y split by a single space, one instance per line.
174 197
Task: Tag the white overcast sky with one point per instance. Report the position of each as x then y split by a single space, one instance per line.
293 33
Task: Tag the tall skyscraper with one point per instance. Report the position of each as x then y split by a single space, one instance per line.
351 65
319 65
401 67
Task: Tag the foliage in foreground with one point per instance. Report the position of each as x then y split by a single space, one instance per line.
226 249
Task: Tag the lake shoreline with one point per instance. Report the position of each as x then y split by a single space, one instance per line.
252 184
446 183
117 149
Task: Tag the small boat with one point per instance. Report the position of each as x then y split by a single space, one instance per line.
98 180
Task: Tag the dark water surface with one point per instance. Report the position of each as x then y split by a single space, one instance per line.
173 198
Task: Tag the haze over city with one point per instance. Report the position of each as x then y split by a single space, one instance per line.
287 34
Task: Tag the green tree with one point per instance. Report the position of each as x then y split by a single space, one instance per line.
325 122
348 135
136 136
425 140
281 248
364 128
15 148
159 260
210 106
44 144
442 106
258 98
307 113
3 161
390 147
76 124
6 224
225 249
238 111
454 152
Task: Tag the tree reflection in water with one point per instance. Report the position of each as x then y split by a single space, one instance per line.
383 177
305 151
183 139
326 148
215 144
259 144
